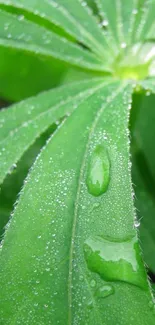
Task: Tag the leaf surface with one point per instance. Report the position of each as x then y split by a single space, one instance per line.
53 282
14 181
27 74
119 17
143 169
29 37
146 22
75 18
22 123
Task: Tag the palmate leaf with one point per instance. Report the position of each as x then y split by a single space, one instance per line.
22 123
70 254
55 282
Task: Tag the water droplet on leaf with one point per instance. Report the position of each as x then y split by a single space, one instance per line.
137 223
123 45
115 261
93 283
105 291
98 171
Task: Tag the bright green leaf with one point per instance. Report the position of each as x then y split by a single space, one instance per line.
24 122
29 37
14 181
27 74
118 17
73 17
46 272
146 22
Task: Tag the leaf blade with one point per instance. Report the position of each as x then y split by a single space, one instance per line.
69 17
24 122
120 17
27 36
49 253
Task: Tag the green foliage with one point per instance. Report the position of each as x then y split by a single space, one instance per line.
72 252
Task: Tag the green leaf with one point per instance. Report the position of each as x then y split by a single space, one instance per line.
27 74
29 37
148 85
24 122
146 22
48 273
14 181
144 201
73 17
143 117
119 18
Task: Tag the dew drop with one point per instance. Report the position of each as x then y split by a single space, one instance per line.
104 291
21 17
115 261
151 305
81 277
13 167
46 306
123 45
104 23
98 171
137 223
90 304
93 283
135 11
148 93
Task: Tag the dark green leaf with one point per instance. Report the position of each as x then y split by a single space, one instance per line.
143 118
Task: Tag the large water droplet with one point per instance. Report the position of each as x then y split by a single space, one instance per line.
116 261
104 291
98 171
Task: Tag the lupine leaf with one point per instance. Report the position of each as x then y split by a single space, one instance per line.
71 253
146 21
15 180
119 17
24 122
27 74
62 218
143 169
29 37
73 17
